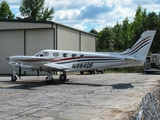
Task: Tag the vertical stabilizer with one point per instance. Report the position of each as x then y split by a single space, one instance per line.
140 49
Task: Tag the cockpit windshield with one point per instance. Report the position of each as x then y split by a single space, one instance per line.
37 54
41 54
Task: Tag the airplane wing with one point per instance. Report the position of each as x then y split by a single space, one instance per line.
56 66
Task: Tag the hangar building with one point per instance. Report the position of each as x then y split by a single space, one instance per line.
28 38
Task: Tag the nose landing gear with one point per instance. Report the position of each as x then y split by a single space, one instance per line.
14 77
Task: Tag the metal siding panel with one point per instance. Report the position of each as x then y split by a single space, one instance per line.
37 40
23 25
11 43
87 43
68 39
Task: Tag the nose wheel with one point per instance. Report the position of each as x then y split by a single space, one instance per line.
14 77
49 80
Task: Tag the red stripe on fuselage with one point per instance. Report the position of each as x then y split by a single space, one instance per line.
71 58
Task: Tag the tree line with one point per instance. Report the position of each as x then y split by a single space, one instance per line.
31 10
123 35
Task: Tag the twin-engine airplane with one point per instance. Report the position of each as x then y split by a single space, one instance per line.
70 61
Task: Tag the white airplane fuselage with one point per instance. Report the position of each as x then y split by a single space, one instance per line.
82 60
70 61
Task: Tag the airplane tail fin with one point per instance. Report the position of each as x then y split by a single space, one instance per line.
140 49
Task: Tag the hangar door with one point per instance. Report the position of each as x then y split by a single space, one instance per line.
11 43
37 40
68 39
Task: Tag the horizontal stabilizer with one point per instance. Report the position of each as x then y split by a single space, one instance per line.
131 58
56 66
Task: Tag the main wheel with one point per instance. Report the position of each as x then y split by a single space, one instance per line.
62 77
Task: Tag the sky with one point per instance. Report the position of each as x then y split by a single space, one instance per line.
92 14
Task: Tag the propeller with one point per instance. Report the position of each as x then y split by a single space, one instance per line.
19 71
38 73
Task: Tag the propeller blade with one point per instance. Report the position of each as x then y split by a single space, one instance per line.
38 73
19 72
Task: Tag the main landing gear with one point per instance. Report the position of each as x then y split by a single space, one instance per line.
49 79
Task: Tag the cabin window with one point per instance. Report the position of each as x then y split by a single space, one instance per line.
81 56
74 55
64 54
56 54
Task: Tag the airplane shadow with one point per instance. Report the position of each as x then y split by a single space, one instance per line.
32 85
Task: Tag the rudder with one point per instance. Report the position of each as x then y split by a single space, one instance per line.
140 49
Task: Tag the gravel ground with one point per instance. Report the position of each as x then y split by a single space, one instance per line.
113 96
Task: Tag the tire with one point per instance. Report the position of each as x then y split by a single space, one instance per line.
49 81
62 77
13 78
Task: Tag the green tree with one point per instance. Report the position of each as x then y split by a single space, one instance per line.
117 31
35 10
106 40
137 27
126 34
5 12
94 31
152 22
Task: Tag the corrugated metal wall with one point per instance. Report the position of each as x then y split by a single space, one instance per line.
39 39
11 43
67 39
23 25
87 43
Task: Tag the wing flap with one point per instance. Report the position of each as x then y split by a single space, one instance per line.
56 66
